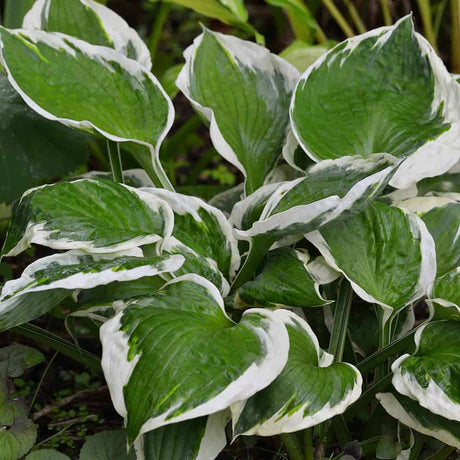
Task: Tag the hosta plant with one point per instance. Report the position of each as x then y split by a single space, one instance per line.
282 316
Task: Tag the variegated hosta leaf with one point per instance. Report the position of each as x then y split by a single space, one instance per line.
309 391
202 438
93 215
244 91
410 413
432 374
91 88
176 355
196 263
386 91
328 189
444 299
90 21
284 280
386 253
22 300
202 228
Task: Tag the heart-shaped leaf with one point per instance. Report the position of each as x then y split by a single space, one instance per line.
309 391
383 91
244 91
409 412
47 281
431 375
90 21
91 88
93 215
175 355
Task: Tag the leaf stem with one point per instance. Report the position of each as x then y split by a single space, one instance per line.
384 340
424 7
341 315
307 437
39 335
455 40
442 453
341 430
368 395
41 380
259 247
292 446
113 149
338 17
157 28
386 12
355 17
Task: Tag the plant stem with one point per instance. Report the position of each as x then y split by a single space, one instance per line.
292 446
384 341
320 35
341 315
424 7
355 17
259 247
418 446
113 149
438 17
455 13
307 437
442 453
338 17
41 380
341 431
386 12
368 395
65 347
157 28
380 356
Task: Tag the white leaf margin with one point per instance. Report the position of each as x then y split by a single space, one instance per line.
35 231
287 424
432 397
250 54
185 204
118 370
434 157
104 56
397 411
427 269
115 26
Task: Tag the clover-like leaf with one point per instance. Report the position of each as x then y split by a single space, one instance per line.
198 439
387 254
45 282
431 375
284 280
91 88
90 21
383 91
309 390
203 228
93 215
244 91
409 412
176 355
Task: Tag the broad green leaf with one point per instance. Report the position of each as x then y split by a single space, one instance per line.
91 88
244 91
309 391
15 359
198 439
106 445
284 280
94 215
49 150
14 12
447 183
327 190
22 300
386 91
202 228
197 263
90 21
410 413
176 355
386 253
46 454
431 375
301 55
16 440
444 298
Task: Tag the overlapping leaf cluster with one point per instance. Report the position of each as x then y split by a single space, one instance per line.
378 112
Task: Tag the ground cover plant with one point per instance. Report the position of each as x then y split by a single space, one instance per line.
312 310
